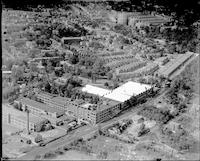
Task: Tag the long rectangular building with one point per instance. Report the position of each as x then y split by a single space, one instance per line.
120 94
39 109
60 103
170 68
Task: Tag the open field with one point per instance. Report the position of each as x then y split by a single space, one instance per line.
8 129
12 146
74 155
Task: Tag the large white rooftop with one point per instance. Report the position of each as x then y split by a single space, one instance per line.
95 90
127 90
117 96
121 94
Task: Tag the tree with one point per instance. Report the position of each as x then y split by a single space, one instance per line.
38 138
143 130
49 155
33 67
106 84
17 73
110 76
49 67
9 64
115 85
142 80
29 141
47 87
48 127
103 154
74 59
40 127
37 157
9 92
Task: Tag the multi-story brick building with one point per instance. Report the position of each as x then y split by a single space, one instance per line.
40 109
59 103
19 119
110 104
80 109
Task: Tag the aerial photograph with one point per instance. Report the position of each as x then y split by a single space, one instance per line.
100 80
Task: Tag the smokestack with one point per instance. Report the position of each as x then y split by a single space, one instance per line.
28 122
9 120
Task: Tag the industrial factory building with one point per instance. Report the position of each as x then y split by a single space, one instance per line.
80 109
59 103
113 101
20 119
110 104
120 94
40 109
127 90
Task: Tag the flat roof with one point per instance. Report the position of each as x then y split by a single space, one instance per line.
46 94
105 104
120 94
20 114
127 90
171 66
60 99
39 105
95 90
6 72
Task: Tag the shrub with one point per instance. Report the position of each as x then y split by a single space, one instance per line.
49 155
28 141
66 148
38 138
37 157
59 151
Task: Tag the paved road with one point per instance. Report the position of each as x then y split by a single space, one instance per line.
83 131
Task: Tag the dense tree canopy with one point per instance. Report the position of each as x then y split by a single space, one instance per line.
186 12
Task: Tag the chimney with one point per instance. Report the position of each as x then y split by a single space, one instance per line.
9 120
28 132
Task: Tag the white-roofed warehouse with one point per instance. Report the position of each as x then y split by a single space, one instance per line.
127 90
121 94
